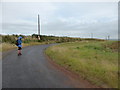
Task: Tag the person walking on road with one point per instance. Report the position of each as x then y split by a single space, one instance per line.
19 45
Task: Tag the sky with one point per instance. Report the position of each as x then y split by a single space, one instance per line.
72 19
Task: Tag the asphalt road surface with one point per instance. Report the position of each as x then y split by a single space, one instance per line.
33 70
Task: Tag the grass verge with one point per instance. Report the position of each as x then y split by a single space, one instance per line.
92 60
8 46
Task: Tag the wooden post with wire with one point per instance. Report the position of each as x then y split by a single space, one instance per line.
91 35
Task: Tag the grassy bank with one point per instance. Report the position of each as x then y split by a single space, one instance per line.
8 46
96 61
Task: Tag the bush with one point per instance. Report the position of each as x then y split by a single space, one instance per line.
9 39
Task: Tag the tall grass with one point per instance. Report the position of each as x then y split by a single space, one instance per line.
91 60
7 46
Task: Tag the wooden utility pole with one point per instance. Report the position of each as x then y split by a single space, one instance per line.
38 28
109 37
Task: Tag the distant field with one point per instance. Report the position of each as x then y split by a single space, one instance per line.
96 61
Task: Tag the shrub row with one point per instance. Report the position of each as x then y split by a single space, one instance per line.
33 38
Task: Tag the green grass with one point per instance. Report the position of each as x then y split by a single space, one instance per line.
90 59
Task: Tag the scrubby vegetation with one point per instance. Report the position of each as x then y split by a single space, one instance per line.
10 40
33 38
93 60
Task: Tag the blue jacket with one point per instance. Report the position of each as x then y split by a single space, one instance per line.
19 41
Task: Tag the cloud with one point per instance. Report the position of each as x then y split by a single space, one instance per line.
82 29
68 19
26 11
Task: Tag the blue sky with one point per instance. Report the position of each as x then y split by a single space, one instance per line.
73 19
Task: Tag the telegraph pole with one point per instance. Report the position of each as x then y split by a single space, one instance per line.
109 37
38 28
